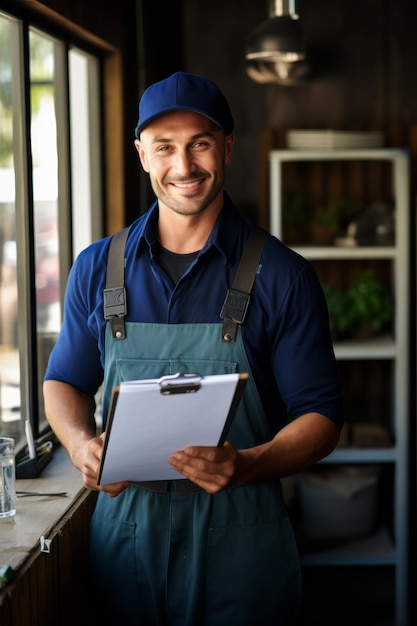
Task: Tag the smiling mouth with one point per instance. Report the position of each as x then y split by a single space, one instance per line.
194 180
190 185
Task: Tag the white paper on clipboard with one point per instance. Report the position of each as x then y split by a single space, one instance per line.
150 419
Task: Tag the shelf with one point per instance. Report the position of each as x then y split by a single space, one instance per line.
378 154
376 348
351 454
347 253
377 549
387 381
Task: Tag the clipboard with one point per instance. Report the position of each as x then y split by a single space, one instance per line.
149 420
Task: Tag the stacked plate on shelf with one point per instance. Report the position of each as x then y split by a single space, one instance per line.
333 139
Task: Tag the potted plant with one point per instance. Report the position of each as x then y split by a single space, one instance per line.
330 220
372 301
325 225
363 310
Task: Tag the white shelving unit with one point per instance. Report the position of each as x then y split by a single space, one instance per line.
385 547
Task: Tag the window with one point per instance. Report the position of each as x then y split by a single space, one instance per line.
50 203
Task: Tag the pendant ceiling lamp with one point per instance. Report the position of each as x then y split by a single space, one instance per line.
275 50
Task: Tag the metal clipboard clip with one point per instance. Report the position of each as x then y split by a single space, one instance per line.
179 383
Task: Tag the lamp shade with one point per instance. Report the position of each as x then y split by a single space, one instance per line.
277 39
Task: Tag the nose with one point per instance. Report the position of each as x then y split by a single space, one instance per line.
183 161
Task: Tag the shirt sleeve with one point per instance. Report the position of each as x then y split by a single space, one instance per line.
76 358
303 357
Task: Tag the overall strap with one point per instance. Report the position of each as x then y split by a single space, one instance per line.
238 296
234 307
115 306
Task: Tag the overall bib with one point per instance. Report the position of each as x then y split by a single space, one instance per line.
193 559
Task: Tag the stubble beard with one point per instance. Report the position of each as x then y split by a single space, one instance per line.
193 205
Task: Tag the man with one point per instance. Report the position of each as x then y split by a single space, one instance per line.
216 548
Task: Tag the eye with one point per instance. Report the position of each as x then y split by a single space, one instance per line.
200 145
163 148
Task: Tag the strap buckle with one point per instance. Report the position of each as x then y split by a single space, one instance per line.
235 306
114 302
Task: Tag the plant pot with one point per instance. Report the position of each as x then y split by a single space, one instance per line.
321 235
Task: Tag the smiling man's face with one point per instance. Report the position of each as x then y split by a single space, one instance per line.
185 154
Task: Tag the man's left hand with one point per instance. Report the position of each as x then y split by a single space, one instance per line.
212 468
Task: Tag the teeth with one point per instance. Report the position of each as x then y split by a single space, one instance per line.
187 185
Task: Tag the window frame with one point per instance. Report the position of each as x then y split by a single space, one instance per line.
30 400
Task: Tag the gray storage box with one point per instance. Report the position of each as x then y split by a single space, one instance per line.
338 503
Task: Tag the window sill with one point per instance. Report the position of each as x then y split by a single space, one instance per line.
36 516
46 543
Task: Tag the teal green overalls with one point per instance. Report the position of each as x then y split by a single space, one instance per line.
193 559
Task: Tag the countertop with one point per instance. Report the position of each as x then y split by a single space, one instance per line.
36 516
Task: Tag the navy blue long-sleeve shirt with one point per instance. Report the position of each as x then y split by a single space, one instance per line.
286 332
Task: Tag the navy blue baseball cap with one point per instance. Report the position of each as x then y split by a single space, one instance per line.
185 92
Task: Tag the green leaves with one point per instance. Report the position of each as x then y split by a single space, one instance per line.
368 303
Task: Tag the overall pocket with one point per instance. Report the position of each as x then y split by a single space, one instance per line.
259 567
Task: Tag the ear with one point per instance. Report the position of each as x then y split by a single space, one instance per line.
142 155
228 144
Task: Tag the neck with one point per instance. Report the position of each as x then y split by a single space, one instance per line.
184 234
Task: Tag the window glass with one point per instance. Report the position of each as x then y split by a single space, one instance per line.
44 152
9 352
84 88
45 183
49 127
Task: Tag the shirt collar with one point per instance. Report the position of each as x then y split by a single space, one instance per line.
223 236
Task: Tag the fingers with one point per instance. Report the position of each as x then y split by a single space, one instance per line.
91 462
91 466
113 490
213 468
207 459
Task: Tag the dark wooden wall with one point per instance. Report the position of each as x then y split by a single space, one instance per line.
362 55
362 52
